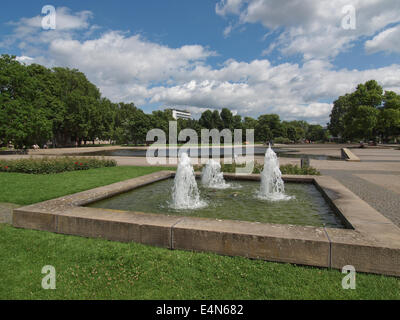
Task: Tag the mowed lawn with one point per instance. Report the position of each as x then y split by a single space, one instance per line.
101 269
23 189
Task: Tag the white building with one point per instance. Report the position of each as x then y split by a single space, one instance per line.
179 114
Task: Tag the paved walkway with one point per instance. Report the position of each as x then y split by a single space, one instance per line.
376 179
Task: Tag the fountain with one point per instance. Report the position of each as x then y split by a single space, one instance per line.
212 177
272 186
244 200
185 194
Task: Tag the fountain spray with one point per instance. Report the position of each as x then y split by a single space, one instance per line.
185 194
212 177
272 186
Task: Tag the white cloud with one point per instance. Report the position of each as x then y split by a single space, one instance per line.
117 58
314 27
65 21
25 59
228 6
388 41
290 90
227 31
130 68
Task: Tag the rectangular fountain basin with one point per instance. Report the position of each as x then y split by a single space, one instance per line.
238 202
370 242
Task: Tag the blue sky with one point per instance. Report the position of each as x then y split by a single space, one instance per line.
289 57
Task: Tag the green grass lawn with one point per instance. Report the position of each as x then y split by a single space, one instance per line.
26 189
101 269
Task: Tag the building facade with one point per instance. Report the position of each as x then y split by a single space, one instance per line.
180 114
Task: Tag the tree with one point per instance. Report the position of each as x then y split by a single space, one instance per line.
227 119
360 114
316 133
25 118
360 122
292 133
249 123
237 122
137 126
80 98
391 100
268 127
263 132
206 119
216 121
160 120
389 123
339 110
368 94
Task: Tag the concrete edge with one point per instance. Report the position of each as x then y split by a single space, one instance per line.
348 155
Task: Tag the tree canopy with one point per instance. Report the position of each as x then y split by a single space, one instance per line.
367 113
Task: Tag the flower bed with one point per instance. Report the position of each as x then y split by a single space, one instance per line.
53 165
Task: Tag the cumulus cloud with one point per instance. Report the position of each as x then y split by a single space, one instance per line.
313 28
387 40
131 68
117 58
292 91
65 21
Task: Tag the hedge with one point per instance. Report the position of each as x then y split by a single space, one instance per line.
48 165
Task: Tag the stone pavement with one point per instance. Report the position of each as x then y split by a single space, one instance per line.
376 179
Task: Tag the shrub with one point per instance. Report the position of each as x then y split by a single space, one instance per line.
53 165
258 168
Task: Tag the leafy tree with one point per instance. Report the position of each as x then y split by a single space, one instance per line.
360 122
316 133
206 119
80 98
249 123
268 127
263 132
137 126
340 108
160 120
292 133
368 94
364 113
216 121
391 100
25 118
389 123
227 118
237 122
